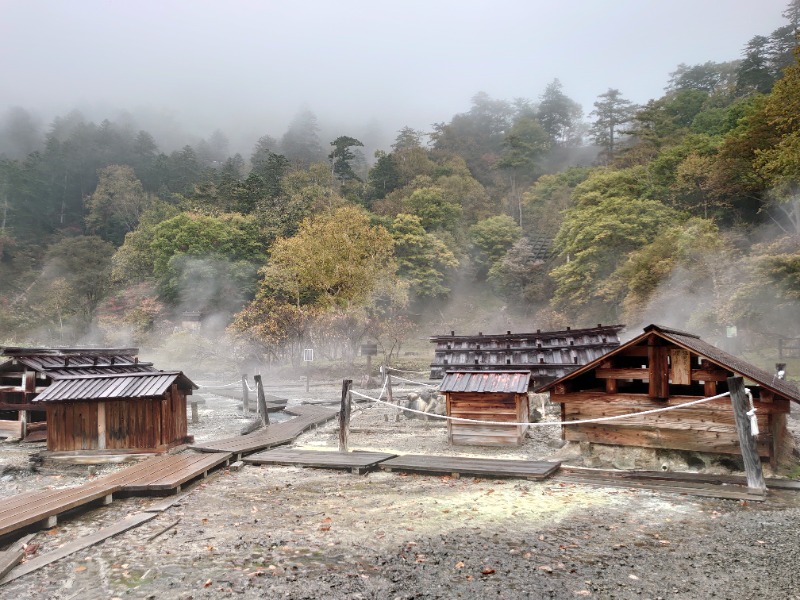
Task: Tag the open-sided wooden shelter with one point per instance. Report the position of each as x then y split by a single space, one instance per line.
665 367
546 355
486 396
96 398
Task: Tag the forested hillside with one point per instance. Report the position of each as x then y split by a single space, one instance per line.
524 213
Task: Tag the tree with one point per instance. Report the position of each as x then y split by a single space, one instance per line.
341 158
754 73
335 259
594 239
228 247
434 210
520 276
300 144
492 238
612 113
422 258
117 204
523 146
559 115
81 268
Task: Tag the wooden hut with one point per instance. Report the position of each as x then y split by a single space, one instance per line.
94 399
29 371
665 367
131 412
486 396
546 355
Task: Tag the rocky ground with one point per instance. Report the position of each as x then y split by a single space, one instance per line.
285 532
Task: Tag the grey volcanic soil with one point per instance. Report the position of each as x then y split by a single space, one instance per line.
284 532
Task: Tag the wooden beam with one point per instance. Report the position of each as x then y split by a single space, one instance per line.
632 373
79 544
681 366
747 441
659 369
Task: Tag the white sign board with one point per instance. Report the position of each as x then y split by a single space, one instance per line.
308 354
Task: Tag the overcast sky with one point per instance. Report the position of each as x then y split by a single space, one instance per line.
246 67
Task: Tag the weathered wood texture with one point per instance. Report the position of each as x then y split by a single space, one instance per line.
344 415
512 408
79 544
128 424
359 462
273 435
747 441
478 467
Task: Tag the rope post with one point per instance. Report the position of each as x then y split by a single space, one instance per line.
262 400
389 387
195 415
245 396
752 461
344 414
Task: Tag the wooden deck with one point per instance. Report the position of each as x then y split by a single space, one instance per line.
356 462
44 506
477 467
166 473
156 475
272 435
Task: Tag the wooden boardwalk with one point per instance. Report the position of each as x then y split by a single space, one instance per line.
356 462
477 467
44 506
272 435
166 473
156 475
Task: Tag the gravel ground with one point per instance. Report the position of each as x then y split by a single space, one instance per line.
285 532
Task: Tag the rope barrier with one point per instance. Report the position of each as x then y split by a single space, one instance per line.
435 387
402 370
225 385
544 423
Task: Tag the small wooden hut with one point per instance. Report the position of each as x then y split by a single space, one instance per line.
131 412
665 367
486 396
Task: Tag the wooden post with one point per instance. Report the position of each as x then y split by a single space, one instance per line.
752 462
195 415
262 401
101 425
344 414
389 387
245 396
369 371
308 375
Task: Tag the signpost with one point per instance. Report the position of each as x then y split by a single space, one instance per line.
369 350
308 356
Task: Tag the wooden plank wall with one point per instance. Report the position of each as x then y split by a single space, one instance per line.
487 407
72 426
708 427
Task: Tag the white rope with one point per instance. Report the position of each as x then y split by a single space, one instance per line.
435 387
219 386
544 423
752 413
248 385
403 370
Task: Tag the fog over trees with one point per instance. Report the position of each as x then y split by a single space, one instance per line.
517 213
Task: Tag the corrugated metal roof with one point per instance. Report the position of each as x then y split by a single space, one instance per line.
504 382
113 386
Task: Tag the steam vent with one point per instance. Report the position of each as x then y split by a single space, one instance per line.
547 355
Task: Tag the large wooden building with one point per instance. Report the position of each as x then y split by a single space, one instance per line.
665 367
95 399
497 396
546 355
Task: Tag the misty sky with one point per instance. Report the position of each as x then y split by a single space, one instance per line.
246 67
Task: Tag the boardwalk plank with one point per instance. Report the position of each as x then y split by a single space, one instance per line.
359 462
479 467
